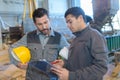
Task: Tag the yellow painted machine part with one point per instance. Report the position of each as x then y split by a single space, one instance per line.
31 5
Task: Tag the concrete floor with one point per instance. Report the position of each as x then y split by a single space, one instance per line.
9 71
108 75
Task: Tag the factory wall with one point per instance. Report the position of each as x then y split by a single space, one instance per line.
11 13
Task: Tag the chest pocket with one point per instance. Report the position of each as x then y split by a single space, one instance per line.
36 51
51 52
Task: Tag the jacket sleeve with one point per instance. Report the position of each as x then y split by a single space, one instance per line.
22 41
100 59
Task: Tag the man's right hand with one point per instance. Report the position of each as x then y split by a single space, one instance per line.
58 62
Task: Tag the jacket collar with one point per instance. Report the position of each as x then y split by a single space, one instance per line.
82 31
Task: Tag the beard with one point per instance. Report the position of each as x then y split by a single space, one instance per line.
45 31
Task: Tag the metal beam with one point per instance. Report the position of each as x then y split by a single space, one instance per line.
1 39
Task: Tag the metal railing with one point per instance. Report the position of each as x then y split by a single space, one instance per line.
113 43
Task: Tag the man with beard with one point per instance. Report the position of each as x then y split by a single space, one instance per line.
43 43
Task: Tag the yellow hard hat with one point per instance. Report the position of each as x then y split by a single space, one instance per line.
22 54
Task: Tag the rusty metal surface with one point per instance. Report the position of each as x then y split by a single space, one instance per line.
104 10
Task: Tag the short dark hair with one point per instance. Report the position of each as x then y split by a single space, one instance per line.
75 11
39 12
88 18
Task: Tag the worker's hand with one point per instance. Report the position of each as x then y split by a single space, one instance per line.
22 66
62 73
58 62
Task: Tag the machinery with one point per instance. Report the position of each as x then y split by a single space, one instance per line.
104 11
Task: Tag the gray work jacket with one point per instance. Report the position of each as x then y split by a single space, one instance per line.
34 41
87 56
49 52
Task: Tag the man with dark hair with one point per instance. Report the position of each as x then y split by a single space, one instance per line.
88 18
44 44
92 24
87 58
